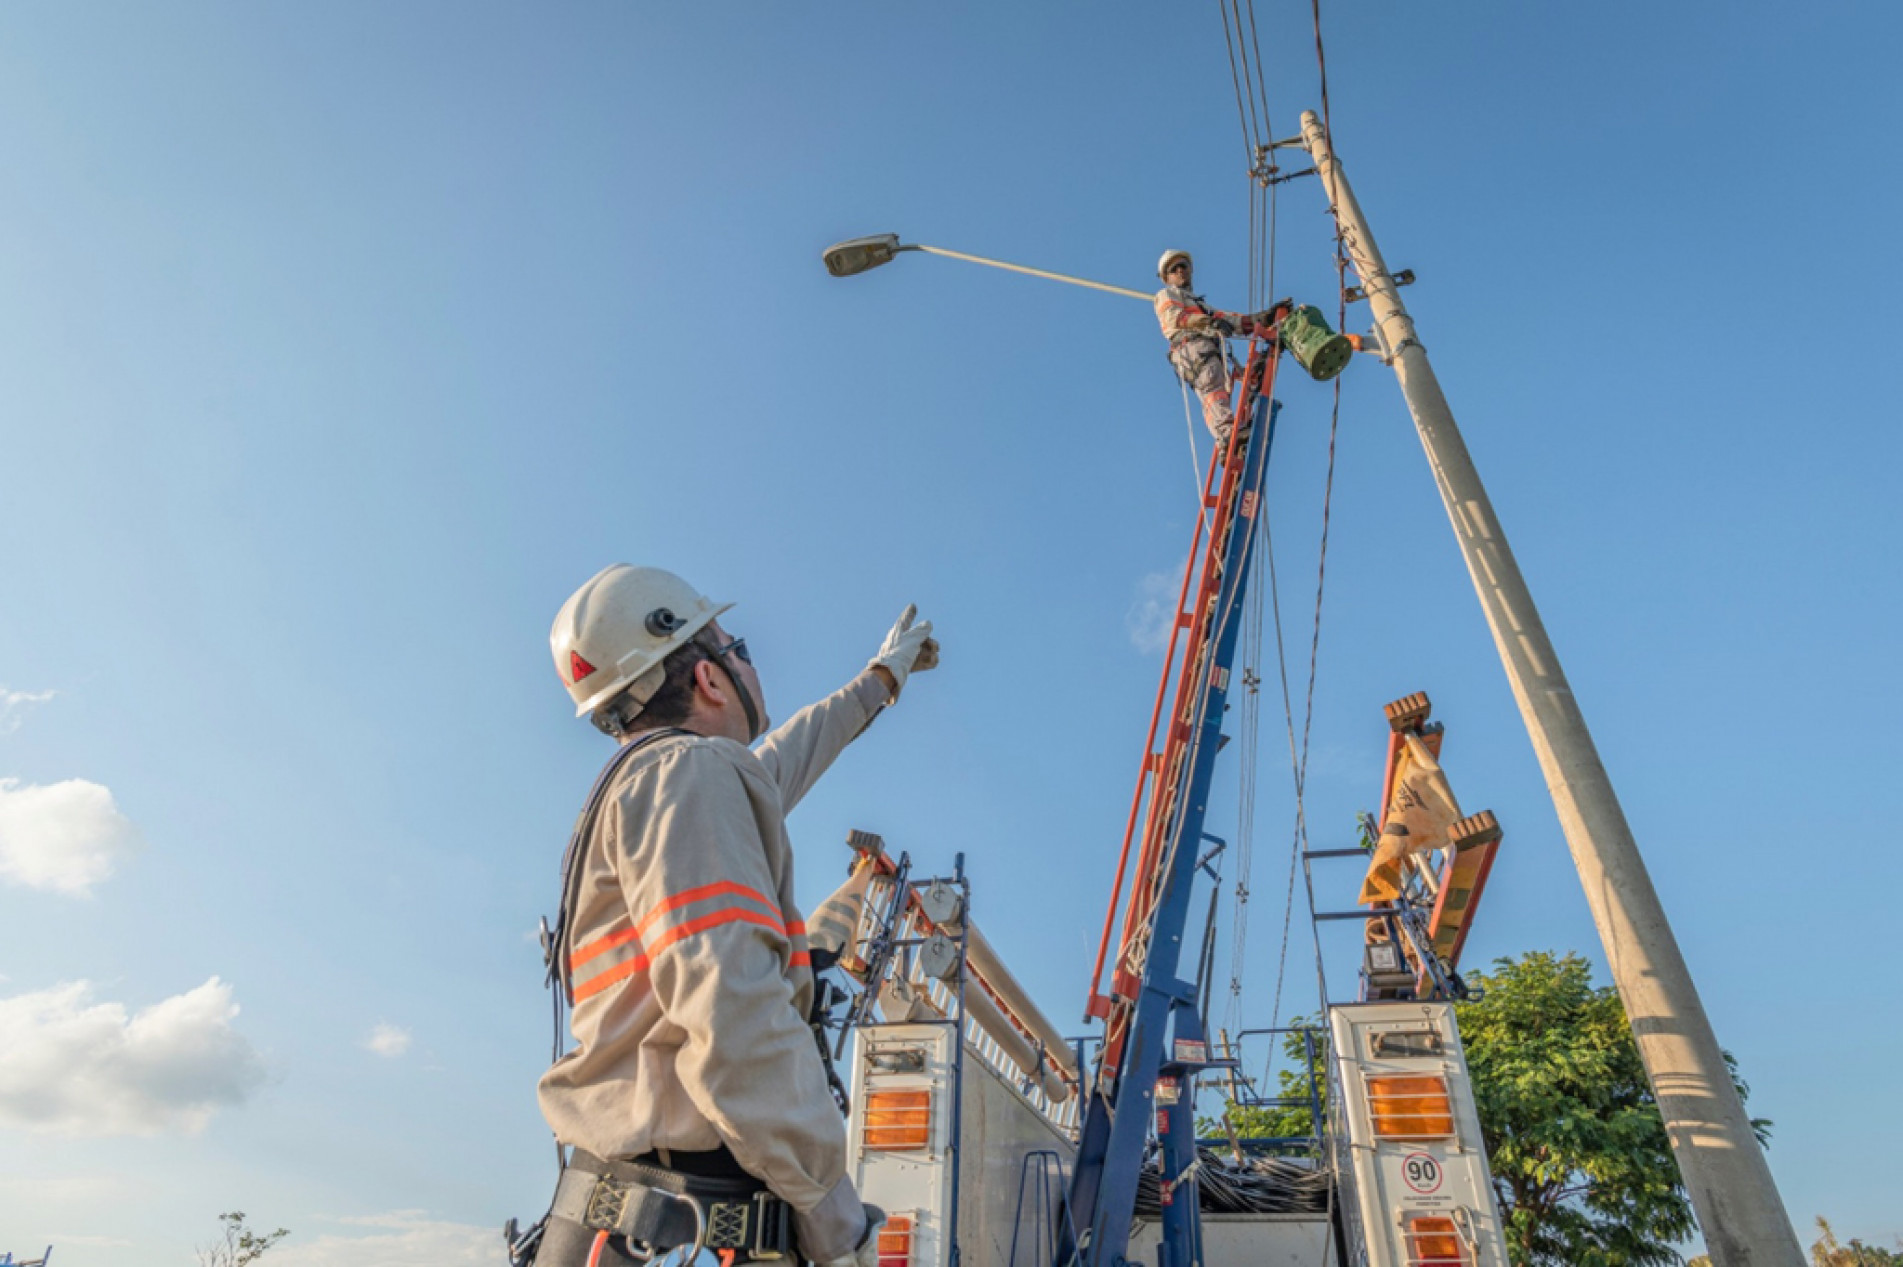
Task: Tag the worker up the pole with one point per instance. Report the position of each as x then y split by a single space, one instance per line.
1198 337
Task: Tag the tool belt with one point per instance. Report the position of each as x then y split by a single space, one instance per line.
659 1209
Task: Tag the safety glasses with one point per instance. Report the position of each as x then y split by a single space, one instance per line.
738 647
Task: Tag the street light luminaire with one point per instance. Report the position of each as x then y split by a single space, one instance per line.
856 255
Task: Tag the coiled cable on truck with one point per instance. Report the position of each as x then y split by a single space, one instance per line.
1259 1185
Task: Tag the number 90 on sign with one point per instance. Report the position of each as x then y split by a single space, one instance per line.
1422 1172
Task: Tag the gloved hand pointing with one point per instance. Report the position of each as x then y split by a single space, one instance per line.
907 647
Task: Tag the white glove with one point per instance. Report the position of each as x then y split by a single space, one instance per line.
908 647
867 1252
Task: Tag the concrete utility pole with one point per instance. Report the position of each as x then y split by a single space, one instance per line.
1731 1189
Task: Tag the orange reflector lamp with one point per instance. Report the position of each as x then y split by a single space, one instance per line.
1410 1106
1434 1241
899 1120
895 1241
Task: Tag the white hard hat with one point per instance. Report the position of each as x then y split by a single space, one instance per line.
617 629
1163 265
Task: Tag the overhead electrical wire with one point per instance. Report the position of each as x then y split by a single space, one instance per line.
1252 115
1255 39
1321 70
1266 1185
1248 747
1258 103
1247 76
1235 77
1321 568
1247 69
1246 73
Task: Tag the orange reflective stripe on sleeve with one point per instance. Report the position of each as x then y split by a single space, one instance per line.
620 972
718 889
721 888
643 961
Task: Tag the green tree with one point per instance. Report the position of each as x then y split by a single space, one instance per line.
1581 1163
1288 1121
240 1246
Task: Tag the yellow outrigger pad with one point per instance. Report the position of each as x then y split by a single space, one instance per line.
1474 841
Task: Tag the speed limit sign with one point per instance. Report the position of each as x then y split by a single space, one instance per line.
1422 1172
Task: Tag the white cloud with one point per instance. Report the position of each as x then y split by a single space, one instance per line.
1153 612
14 706
388 1040
71 1066
65 836
401 1238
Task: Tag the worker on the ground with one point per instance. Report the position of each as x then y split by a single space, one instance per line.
1197 334
695 1099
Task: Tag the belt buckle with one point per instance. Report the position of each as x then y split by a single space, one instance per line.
760 1248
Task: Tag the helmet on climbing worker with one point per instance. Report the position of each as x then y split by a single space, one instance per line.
615 631
1170 257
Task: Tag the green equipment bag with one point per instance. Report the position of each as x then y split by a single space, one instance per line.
1315 347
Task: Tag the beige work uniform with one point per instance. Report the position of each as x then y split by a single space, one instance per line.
690 974
1198 353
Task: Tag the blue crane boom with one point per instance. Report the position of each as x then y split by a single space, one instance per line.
1153 1034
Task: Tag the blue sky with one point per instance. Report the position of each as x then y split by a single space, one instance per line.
340 344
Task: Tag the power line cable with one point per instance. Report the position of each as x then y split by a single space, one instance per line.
1242 51
1268 128
1235 77
1321 67
1295 766
1247 759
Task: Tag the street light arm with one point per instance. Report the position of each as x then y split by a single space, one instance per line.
859 255
1033 272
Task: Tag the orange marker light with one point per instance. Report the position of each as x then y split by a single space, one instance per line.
1434 1241
899 1120
895 1241
1411 1106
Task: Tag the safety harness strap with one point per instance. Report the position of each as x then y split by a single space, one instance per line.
657 1219
661 1210
555 952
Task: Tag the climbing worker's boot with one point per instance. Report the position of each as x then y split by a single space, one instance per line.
1241 433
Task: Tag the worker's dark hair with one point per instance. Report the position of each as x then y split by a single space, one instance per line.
671 704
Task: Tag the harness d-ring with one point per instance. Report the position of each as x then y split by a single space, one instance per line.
700 1224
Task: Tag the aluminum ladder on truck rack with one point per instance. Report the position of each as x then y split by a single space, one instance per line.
1151 1026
